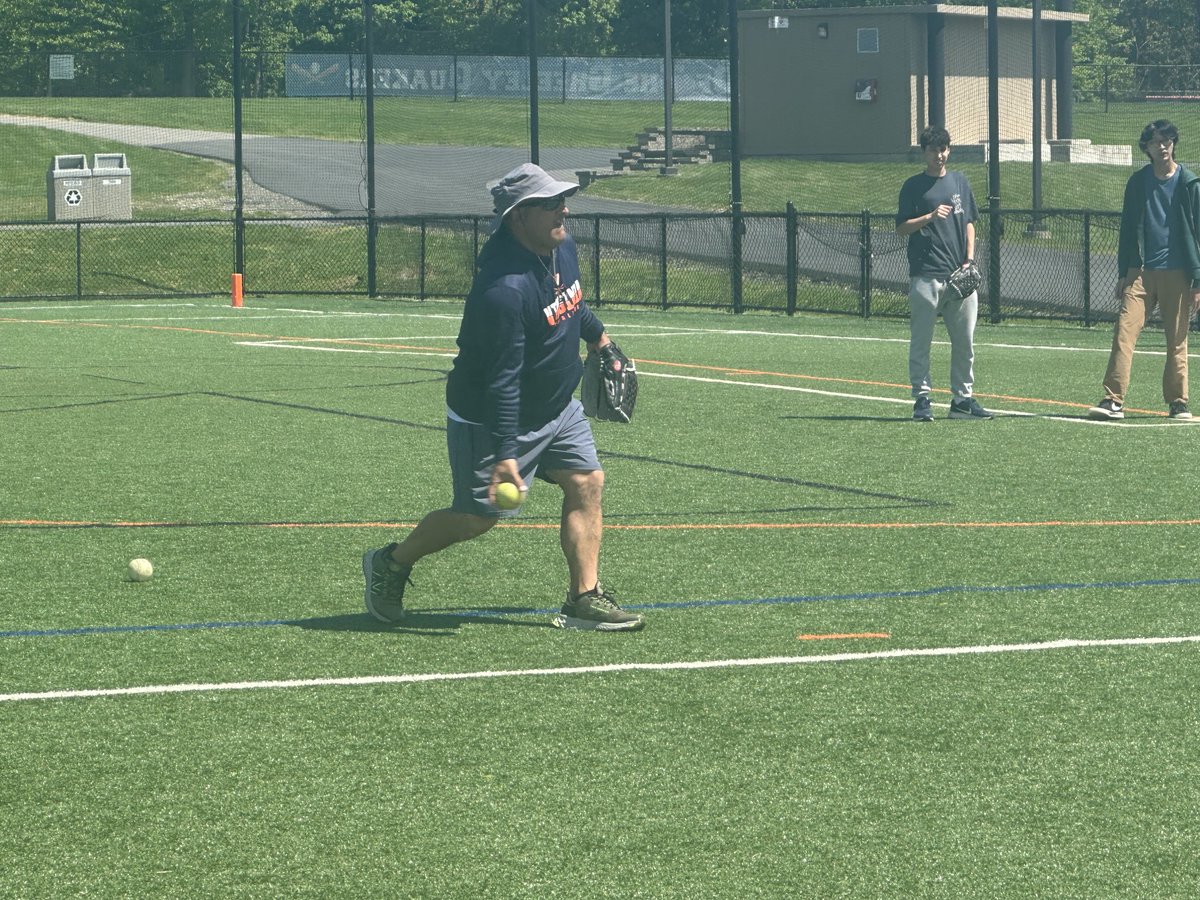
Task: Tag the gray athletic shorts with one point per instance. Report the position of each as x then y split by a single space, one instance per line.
565 443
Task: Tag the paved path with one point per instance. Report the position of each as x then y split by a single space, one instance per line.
410 179
426 179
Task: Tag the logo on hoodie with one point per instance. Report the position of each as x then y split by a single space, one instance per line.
566 302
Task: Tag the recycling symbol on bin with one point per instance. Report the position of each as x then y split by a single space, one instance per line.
73 197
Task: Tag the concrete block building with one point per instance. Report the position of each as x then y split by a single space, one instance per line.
860 83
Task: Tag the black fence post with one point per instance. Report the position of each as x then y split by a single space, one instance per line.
596 256
995 231
662 237
1087 268
736 230
78 261
793 226
424 248
864 263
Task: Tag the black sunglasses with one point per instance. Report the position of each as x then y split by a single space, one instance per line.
549 203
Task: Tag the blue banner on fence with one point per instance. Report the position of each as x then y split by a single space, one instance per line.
566 78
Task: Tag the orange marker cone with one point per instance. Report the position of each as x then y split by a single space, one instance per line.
237 289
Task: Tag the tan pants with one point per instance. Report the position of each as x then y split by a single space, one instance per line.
1171 291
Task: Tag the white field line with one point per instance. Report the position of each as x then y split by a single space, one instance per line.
418 678
648 331
1075 420
685 332
75 307
841 395
224 313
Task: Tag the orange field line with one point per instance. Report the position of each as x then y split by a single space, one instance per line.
677 526
842 637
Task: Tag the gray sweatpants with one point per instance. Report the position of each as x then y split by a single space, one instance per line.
926 298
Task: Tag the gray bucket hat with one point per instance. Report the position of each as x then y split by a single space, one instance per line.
526 182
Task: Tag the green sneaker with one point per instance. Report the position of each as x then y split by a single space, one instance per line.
386 580
597 610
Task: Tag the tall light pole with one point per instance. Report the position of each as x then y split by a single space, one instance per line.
239 222
1035 224
668 89
995 221
735 162
533 82
372 222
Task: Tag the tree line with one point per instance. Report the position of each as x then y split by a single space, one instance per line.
183 46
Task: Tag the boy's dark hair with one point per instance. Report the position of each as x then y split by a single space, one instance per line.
1163 127
933 136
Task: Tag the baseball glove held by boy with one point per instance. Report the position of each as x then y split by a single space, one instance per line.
609 384
964 281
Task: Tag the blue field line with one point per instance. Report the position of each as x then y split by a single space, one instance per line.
679 604
120 629
930 592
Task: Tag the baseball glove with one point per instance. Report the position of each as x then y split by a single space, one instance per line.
609 384
964 281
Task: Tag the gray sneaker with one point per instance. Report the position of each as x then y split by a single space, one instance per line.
386 580
597 610
922 410
968 409
1179 410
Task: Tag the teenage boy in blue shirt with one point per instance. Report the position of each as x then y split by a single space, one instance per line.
1158 264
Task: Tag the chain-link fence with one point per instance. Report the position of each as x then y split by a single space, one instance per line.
1114 102
1055 264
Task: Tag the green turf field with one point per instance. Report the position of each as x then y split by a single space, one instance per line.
883 659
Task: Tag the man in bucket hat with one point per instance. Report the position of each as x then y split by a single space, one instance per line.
511 409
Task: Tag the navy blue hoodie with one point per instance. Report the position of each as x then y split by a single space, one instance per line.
518 345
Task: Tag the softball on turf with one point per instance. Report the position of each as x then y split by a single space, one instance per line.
508 495
140 570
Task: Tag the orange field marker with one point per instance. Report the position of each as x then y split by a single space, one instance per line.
841 637
237 289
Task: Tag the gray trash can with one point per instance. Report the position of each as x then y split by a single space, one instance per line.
112 189
69 189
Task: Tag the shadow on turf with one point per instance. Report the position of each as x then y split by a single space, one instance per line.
438 623
847 418
905 420
772 478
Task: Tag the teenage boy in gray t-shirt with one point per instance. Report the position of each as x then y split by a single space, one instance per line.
937 214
